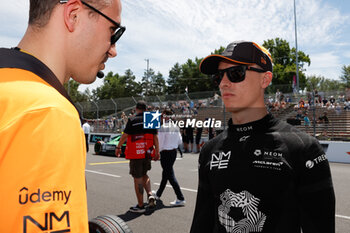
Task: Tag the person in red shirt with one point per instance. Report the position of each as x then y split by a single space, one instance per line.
141 147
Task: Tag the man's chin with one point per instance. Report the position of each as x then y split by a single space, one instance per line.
93 79
85 79
234 109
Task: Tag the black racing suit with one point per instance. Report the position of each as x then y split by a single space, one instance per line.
264 176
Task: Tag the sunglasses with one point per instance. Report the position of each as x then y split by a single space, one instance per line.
120 29
235 74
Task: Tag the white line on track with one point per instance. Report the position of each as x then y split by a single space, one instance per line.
169 186
191 190
101 173
342 216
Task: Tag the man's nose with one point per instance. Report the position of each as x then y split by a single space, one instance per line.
112 52
225 82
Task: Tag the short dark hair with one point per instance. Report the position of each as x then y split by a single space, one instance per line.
141 105
40 10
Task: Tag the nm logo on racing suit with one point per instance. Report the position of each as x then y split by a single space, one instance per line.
220 161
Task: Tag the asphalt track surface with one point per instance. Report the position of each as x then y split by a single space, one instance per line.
111 191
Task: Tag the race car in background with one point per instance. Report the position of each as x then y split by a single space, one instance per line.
108 148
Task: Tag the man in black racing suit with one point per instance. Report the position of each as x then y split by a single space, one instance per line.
261 174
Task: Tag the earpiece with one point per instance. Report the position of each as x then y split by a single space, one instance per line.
100 74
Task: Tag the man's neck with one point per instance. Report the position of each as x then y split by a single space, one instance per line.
248 115
36 42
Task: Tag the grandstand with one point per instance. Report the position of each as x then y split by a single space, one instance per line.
208 105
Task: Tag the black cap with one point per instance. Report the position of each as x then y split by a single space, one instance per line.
141 105
241 52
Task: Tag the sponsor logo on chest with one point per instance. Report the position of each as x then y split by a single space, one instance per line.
259 152
220 160
268 159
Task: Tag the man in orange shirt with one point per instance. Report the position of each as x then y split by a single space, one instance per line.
42 149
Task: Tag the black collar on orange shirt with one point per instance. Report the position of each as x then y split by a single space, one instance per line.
14 58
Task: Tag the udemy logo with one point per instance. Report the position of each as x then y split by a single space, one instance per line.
151 120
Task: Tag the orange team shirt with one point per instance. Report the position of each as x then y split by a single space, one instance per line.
42 157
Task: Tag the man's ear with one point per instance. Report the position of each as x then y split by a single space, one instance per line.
71 9
266 80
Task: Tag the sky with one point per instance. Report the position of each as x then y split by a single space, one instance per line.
171 31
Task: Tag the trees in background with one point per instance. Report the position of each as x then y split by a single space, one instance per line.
152 84
345 77
187 76
72 88
117 86
321 83
284 66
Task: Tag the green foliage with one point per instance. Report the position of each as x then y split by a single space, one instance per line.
116 86
72 89
153 84
219 51
320 83
176 85
284 69
188 75
345 77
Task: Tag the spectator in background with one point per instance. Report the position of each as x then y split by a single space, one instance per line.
301 103
169 139
288 99
306 121
106 126
184 139
86 128
337 109
347 105
270 99
110 123
324 101
332 100
216 99
317 97
124 120
189 134
277 96
283 104
299 116
324 121
199 131
309 97
282 97
115 122
191 104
